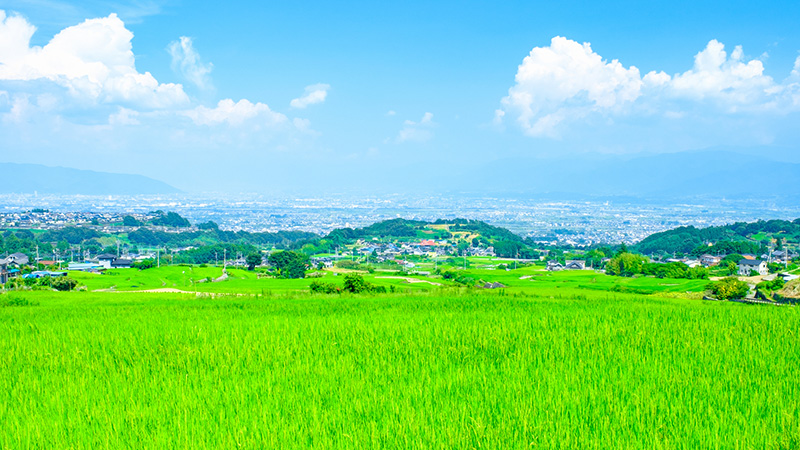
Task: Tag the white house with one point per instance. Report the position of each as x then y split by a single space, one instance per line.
748 265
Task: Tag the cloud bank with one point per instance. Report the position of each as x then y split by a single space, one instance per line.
567 81
94 61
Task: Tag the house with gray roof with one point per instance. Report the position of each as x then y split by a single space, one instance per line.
746 266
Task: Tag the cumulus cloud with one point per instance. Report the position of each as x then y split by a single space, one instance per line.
417 131
186 62
316 93
235 113
730 80
567 78
93 60
567 81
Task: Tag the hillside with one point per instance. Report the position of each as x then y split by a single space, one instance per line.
30 178
743 237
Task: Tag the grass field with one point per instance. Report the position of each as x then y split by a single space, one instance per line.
442 369
529 280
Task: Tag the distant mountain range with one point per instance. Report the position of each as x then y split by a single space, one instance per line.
719 174
30 178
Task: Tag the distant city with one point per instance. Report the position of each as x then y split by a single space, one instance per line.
565 222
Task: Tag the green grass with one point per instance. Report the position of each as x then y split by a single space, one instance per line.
529 280
585 369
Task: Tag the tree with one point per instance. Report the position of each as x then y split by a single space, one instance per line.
64 283
144 264
289 264
210 225
626 264
130 221
729 288
731 267
355 284
171 219
253 260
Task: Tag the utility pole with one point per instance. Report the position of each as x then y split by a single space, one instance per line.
158 257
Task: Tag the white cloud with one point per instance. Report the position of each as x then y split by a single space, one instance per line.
235 113
417 131
316 93
391 112
124 116
186 61
729 80
567 78
93 60
567 81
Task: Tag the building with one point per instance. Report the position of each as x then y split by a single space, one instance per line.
84 267
746 266
122 263
710 260
554 266
109 261
575 265
19 259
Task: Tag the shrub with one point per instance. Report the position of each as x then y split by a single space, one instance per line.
18 301
321 287
729 288
347 264
144 264
355 284
64 283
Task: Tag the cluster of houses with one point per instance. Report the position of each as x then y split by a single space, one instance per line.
11 266
425 247
748 264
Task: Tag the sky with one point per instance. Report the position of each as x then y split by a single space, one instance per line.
257 96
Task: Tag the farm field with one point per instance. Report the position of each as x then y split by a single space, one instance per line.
437 369
529 280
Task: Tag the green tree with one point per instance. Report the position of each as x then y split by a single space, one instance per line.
63 283
729 288
626 264
253 260
731 268
355 284
144 264
289 264
130 221
210 225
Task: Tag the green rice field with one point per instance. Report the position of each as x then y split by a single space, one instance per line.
556 365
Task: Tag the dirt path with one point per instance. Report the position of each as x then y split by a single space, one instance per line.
413 280
171 290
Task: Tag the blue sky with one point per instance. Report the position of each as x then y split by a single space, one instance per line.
260 95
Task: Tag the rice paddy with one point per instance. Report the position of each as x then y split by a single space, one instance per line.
559 367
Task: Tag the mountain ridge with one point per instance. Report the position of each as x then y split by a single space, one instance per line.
37 178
